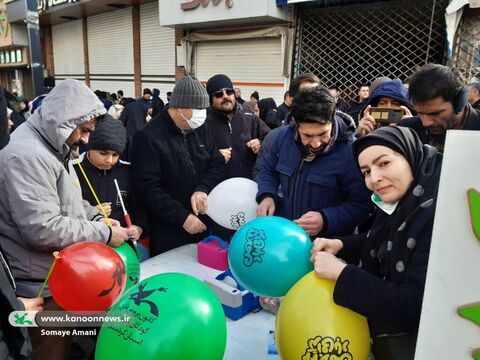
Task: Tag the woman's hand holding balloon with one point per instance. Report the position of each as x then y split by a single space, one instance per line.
327 266
332 246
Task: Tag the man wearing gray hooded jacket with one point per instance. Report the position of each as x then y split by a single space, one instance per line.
41 206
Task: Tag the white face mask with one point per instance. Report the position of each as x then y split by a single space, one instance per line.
198 118
388 208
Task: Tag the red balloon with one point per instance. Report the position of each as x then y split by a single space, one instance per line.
88 277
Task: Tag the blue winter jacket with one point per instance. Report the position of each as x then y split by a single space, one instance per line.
330 184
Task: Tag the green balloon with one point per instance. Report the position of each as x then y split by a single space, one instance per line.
132 264
173 316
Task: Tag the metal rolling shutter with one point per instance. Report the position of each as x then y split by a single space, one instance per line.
346 45
110 51
67 42
252 64
157 44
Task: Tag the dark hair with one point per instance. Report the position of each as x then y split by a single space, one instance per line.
433 81
49 82
314 105
255 95
475 85
114 96
363 85
285 95
294 87
120 92
334 87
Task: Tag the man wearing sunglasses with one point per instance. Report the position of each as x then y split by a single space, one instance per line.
237 134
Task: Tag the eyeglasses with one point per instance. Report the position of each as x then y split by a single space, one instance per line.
219 94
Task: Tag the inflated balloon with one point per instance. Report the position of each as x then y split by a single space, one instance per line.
269 254
173 316
310 325
232 204
132 264
87 277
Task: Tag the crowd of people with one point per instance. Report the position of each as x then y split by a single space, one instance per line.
363 189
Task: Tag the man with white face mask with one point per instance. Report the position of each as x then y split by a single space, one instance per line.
175 165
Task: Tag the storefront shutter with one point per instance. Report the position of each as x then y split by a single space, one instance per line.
252 64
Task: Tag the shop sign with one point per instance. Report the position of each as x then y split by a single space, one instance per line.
44 5
193 4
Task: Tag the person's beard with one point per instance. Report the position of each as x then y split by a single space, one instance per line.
317 150
227 111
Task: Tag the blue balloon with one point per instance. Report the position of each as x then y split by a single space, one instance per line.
142 252
269 255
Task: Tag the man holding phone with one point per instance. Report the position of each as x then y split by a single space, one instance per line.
390 95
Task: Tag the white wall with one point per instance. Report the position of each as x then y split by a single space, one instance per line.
453 268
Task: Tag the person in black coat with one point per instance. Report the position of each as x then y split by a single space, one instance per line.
385 276
14 341
175 165
238 135
157 104
134 119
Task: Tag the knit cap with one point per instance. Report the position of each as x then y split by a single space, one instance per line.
109 134
218 82
189 93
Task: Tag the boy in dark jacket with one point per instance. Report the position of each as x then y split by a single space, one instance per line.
102 165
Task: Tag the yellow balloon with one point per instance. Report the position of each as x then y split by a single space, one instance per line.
310 326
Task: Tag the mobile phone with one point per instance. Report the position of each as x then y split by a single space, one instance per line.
386 115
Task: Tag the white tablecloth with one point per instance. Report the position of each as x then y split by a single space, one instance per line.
247 338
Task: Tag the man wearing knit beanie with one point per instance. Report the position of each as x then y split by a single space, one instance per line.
175 165
237 134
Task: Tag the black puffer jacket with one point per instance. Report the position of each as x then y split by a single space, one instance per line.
14 341
168 167
236 134
4 137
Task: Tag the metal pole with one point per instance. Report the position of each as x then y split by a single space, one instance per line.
33 27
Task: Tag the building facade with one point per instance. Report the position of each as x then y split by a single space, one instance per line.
251 41
348 42
108 45
14 58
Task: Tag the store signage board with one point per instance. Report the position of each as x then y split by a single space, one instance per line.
193 4
44 5
220 13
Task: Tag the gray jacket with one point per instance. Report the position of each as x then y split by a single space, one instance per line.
41 206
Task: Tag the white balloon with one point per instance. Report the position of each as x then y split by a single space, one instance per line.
232 204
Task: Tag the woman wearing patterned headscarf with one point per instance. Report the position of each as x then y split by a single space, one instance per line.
387 285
